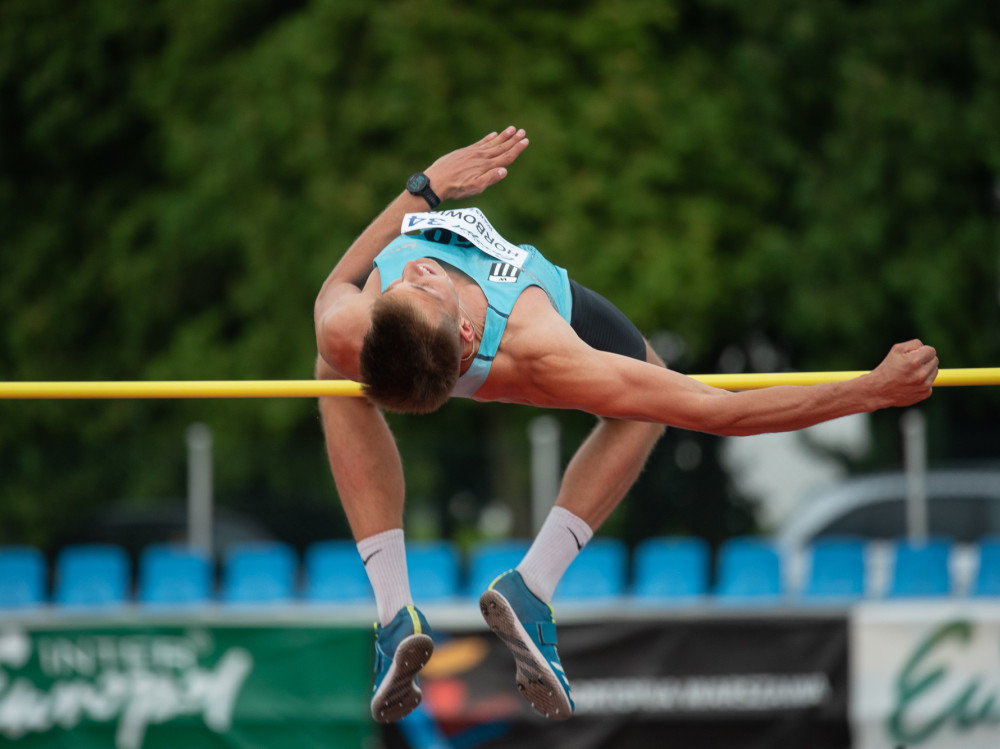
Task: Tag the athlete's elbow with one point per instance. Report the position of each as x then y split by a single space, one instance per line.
716 417
337 353
719 427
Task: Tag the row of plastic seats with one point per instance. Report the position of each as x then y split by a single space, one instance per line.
666 569
101 575
838 570
753 570
332 571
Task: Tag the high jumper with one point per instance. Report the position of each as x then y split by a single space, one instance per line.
425 306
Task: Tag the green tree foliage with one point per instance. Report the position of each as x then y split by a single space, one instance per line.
776 184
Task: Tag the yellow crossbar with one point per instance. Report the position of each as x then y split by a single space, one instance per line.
318 388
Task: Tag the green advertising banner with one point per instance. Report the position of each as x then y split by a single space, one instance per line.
164 687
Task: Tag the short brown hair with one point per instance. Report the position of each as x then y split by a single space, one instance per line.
409 364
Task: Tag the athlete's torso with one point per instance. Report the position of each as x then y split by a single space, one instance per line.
501 282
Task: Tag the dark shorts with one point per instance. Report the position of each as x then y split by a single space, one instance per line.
603 326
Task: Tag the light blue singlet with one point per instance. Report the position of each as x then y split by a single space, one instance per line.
501 282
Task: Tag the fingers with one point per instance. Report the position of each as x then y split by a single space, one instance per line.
505 135
509 139
490 178
499 163
932 368
916 351
910 370
923 360
470 170
929 358
907 346
487 138
924 356
495 139
502 147
507 153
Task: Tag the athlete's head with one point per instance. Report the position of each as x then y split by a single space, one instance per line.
410 356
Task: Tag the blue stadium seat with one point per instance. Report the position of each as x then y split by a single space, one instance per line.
259 573
174 575
987 579
335 573
671 569
92 575
836 572
598 572
488 559
434 570
22 577
921 570
750 571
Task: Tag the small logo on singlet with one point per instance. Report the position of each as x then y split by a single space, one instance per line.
504 273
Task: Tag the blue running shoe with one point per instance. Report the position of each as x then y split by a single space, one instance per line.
524 623
402 648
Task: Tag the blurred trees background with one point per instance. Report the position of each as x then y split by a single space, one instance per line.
759 186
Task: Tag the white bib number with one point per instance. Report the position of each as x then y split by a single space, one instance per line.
471 224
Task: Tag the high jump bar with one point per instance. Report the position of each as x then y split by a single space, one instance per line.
321 388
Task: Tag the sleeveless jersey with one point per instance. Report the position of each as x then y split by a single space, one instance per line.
501 282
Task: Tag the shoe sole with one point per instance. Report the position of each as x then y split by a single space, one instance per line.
398 694
535 678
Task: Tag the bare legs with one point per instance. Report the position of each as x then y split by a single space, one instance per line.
364 460
369 475
607 464
596 480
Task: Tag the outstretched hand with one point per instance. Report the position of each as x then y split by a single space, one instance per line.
470 170
907 373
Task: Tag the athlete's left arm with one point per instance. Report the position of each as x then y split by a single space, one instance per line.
460 174
342 309
566 373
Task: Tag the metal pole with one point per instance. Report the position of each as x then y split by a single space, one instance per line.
543 432
914 427
200 499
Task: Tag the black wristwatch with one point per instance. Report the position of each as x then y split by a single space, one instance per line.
418 184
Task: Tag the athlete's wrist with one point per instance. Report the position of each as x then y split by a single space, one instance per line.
419 184
441 186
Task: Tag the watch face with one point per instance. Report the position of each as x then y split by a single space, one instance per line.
417 182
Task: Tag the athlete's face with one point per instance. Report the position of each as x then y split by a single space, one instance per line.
428 287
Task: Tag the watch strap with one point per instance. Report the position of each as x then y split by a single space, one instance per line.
425 191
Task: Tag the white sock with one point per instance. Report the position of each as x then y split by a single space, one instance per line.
384 556
562 537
